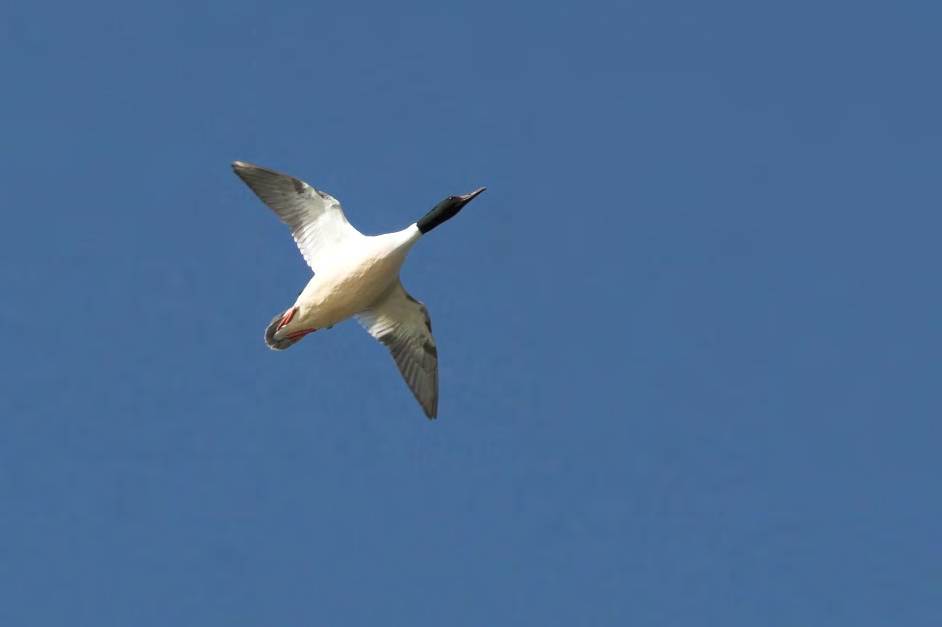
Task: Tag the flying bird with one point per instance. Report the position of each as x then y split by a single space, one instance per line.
354 275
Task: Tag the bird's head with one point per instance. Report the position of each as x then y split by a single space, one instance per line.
446 209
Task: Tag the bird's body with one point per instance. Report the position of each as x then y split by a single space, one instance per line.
354 282
354 275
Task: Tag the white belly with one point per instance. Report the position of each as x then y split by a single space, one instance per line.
348 288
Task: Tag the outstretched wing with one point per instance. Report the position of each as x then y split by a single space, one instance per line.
316 219
402 323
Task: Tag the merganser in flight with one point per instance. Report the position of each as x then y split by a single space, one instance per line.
355 275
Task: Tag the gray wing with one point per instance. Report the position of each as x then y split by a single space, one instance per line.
316 219
402 323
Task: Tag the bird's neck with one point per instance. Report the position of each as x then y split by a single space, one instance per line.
441 212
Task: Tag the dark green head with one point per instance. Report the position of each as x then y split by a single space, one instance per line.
445 210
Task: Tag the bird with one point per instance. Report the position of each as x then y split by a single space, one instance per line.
355 275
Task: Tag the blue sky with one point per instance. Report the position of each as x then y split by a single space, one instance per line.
689 337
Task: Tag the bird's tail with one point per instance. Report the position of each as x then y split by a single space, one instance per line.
278 344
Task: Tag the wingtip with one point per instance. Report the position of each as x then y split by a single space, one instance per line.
242 166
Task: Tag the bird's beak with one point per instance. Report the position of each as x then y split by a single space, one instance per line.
466 198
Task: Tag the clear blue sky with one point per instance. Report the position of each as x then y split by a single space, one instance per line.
689 338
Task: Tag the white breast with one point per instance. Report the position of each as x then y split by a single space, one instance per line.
354 278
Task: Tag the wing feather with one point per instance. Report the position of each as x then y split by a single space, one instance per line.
317 222
402 324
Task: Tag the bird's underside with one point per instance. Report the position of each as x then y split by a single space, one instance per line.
370 292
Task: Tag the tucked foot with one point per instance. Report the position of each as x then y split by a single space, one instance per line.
297 335
287 317
277 324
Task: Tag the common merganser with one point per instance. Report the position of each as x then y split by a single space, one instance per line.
354 275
